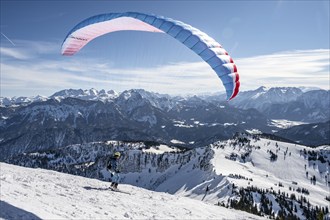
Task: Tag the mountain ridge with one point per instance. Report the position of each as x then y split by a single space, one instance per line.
78 116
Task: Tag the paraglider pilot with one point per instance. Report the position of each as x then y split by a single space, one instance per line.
113 168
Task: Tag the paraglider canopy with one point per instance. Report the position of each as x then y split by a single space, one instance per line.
199 42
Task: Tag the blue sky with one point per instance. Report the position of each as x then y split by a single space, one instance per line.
274 43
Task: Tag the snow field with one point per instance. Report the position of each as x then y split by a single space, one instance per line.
52 195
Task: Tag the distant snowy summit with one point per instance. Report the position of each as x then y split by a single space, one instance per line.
291 103
259 97
90 94
264 95
13 101
87 94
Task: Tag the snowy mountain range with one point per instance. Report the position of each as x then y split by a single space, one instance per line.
251 173
58 122
288 103
83 116
291 103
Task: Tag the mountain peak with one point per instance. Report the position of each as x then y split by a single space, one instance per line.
68 93
87 94
262 89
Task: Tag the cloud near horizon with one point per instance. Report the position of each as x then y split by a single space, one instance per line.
25 73
309 68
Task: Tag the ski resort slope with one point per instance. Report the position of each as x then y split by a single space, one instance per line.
28 193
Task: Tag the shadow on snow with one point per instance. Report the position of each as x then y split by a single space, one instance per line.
9 212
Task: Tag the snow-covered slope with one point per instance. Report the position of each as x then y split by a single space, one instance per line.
247 163
42 194
291 169
246 169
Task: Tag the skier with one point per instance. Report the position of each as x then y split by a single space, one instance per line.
113 168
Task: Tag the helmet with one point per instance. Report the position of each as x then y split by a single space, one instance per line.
117 154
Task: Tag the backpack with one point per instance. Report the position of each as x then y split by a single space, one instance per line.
112 164
109 166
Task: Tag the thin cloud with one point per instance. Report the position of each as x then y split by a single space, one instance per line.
13 53
28 50
291 68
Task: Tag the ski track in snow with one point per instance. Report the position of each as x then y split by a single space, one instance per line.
28 193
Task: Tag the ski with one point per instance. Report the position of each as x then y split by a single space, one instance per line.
118 190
